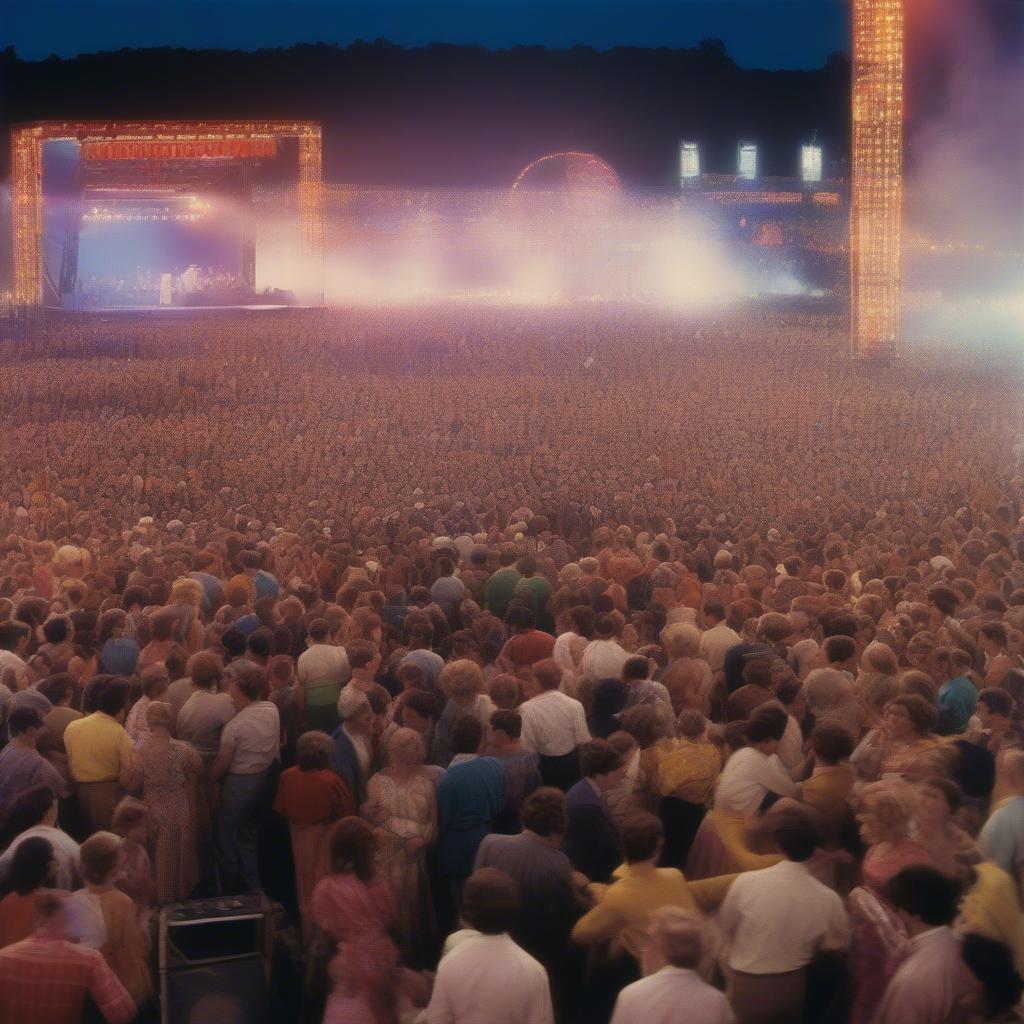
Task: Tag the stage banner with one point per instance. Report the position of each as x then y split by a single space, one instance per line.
179 149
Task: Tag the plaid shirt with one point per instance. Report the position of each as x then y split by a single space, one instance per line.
45 980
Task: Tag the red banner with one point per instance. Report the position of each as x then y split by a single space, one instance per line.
180 149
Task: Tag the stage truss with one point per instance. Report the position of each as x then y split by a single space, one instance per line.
162 144
877 192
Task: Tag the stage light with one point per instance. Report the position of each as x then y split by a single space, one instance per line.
747 162
810 164
689 163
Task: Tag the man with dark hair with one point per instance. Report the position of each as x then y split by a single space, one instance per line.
100 754
470 796
628 903
487 977
527 645
591 842
14 639
21 765
249 749
535 590
58 690
521 766
776 921
932 983
545 877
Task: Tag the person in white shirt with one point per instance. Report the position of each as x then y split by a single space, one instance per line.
933 983
14 638
776 922
487 978
554 727
249 747
718 637
679 940
603 657
755 770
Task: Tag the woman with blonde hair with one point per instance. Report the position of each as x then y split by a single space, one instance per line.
187 601
312 797
886 818
463 683
403 806
687 677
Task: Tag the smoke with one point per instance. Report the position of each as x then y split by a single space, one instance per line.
965 97
536 250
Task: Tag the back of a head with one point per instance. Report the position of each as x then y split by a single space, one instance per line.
635 668
925 893
205 669
249 677
548 674
838 649
680 935
641 835
544 812
691 724
112 698
766 723
832 742
773 627
490 901
508 722
318 630
22 719
56 687
467 734
992 964
30 866
598 757
56 630
794 833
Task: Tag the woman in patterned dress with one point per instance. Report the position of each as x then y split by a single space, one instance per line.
168 771
403 805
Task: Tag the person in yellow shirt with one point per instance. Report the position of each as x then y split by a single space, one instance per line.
827 791
100 755
623 910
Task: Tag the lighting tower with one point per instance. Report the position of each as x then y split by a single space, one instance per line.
877 193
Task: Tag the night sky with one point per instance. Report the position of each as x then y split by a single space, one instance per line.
757 33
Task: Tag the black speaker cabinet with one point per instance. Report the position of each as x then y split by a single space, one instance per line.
215 960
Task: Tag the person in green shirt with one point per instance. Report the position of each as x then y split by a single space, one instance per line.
535 590
502 585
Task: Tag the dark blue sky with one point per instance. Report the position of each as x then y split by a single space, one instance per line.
758 33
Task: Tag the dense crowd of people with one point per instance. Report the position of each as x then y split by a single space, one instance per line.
534 666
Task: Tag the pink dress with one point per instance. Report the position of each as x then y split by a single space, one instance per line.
364 970
877 947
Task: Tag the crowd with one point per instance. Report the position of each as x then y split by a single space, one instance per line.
532 676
